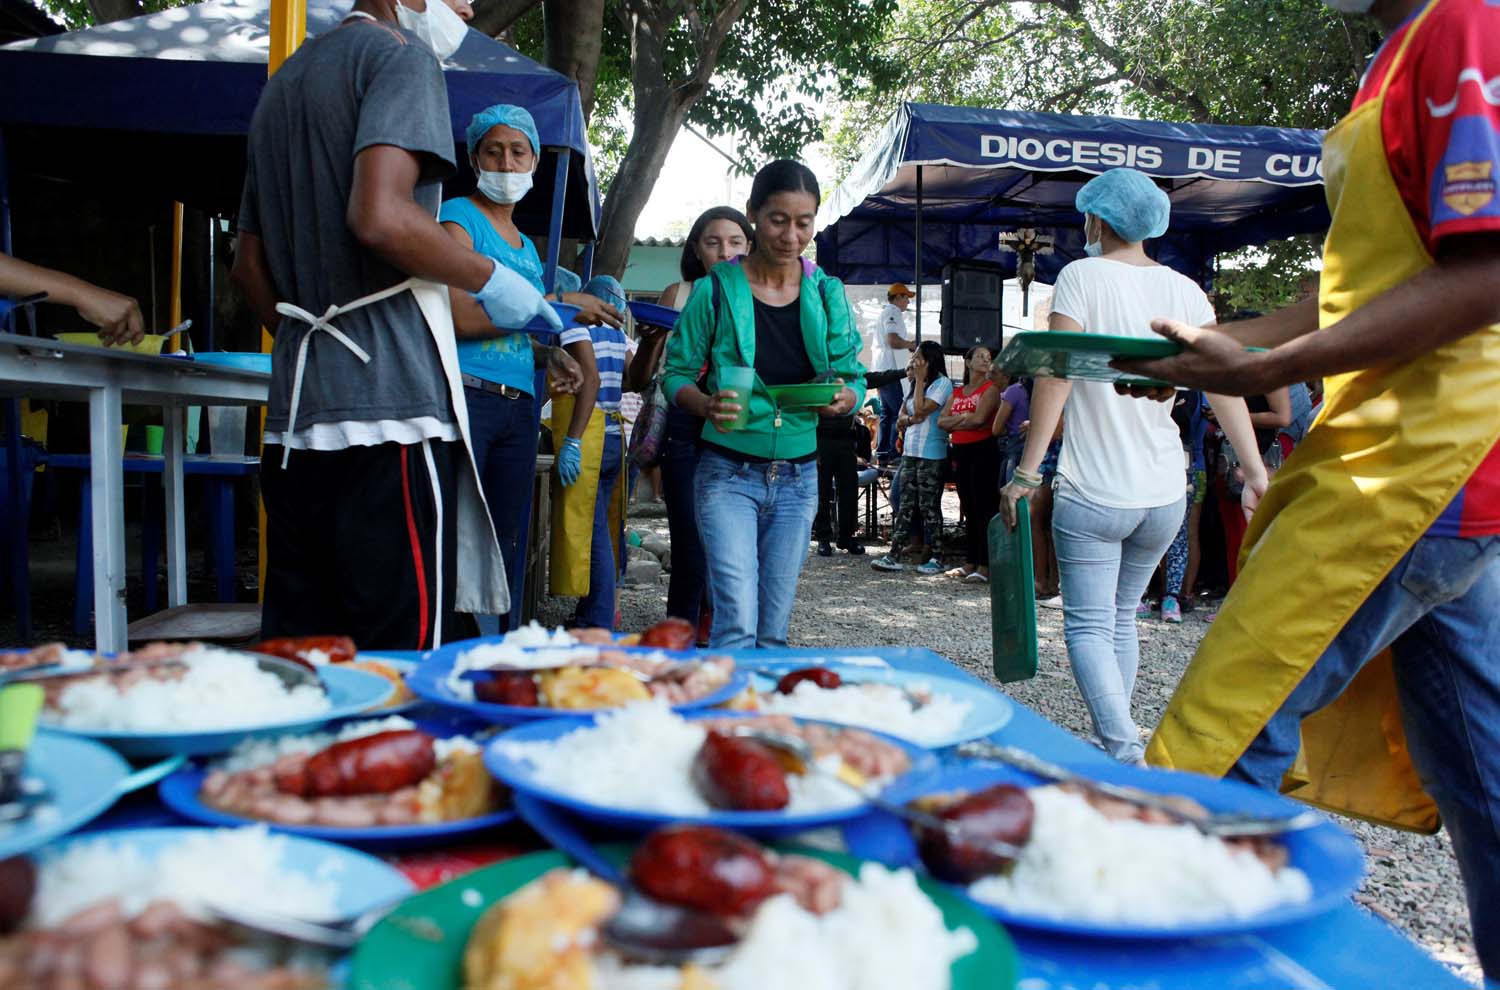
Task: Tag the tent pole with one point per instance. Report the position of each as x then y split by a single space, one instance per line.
918 252
554 226
174 302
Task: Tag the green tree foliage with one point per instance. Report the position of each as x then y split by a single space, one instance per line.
1285 63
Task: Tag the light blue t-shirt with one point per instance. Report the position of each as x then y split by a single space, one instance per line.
505 359
926 439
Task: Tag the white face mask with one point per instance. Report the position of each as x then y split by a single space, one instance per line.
504 187
1092 248
439 27
1350 6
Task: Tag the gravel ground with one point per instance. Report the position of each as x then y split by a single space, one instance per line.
1413 880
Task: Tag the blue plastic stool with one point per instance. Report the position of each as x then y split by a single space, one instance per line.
218 474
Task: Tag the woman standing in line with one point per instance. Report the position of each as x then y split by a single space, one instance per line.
969 417
1119 498
769 318
923 454
719 234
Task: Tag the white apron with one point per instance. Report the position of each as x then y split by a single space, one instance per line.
482 588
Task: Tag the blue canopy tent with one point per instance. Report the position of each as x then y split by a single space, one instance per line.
952 179
160 105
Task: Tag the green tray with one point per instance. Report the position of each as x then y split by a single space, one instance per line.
1012 597
420 945
808 395
1080 356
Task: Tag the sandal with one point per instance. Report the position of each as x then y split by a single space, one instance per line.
959 573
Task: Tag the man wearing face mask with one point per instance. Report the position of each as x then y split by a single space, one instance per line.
369 485
1382 698
499 371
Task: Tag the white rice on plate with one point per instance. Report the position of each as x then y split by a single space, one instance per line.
885 935
640 758
244 863
531 647
219 690
252 753
1081 866
873 705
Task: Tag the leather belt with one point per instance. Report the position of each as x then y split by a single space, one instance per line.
495 388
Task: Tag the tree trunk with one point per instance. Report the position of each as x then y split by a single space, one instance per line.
105 11
575 37
494 17
658 118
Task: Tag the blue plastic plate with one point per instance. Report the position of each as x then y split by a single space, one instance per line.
240 360
179 792
519 775
83 779
404 667
350 692
1330 856
653 315
430 681
364 882
989 710
566 311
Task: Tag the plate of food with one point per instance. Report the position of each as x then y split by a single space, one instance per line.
192 699
645 765
144 893
316 651
70 781
505 683
1093 866
929 710
802 919
379 782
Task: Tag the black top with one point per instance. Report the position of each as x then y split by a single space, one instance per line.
1263 434
780 355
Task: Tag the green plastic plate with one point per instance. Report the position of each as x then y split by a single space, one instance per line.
1080 356
420 945
1012 597
808 395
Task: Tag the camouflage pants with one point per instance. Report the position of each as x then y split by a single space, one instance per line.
921 491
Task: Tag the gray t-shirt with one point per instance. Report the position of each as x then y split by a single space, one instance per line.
364 83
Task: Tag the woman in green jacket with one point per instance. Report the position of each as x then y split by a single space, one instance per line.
772 318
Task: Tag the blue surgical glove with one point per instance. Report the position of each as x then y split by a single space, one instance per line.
510 301
570 461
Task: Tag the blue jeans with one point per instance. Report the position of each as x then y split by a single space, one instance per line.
679 468
755 520
1105 558
597 608
890 411
504 432
1439 611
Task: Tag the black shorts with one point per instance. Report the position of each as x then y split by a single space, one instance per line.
352 541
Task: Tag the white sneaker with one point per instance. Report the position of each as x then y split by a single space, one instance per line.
1054 602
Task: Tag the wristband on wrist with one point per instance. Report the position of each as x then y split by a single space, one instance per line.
1026 479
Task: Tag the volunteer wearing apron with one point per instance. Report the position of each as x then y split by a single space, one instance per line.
499 372
1386 518
368 482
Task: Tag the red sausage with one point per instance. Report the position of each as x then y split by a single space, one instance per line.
378 764
513 688
821 676
1002 813
739 774
340 649
671 634
705 868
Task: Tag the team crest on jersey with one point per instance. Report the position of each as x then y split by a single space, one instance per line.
1468 186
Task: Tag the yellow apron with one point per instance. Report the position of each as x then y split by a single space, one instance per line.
1391 449
572 535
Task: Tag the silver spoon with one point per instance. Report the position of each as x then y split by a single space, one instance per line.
1223 825
340 935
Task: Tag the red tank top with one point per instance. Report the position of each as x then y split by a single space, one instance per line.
965 402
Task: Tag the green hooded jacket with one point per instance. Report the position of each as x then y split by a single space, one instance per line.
717 328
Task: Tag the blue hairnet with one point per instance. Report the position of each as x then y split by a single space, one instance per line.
1128 201
502 113
568 280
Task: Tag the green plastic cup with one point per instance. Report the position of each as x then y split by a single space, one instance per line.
155 435
742 382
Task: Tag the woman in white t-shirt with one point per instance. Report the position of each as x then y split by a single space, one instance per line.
1120 495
